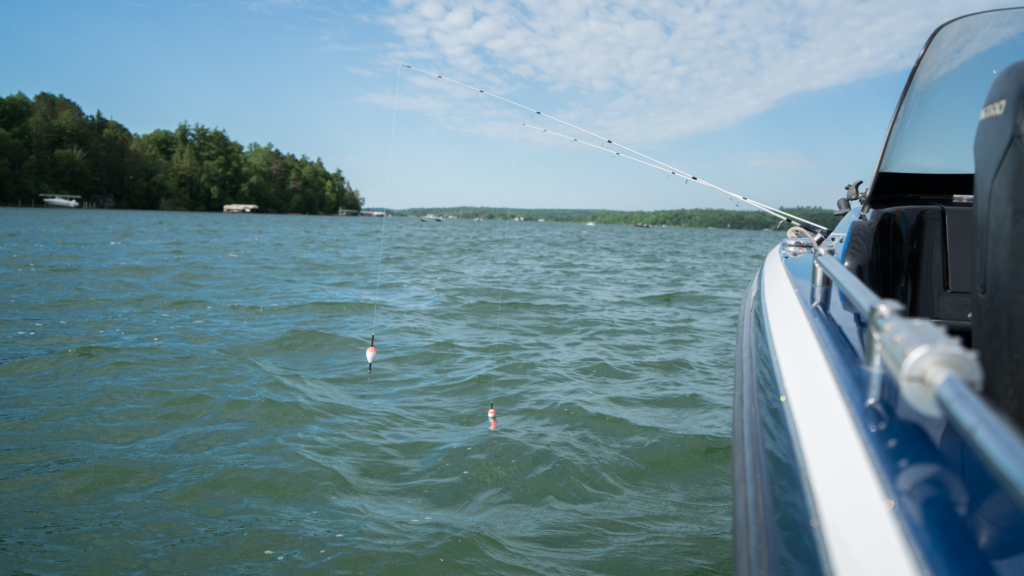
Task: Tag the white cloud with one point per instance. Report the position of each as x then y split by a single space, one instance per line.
655 70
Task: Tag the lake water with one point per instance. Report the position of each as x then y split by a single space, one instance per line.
188 393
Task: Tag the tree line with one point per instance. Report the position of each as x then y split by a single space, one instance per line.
697 218
49 146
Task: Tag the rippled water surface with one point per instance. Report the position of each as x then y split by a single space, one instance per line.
188 393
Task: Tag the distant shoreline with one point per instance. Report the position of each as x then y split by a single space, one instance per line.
691 218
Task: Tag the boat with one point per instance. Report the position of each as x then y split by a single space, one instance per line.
591 224
878 389
61 200
476 219
431 218
641 225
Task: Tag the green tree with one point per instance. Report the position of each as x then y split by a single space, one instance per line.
48 145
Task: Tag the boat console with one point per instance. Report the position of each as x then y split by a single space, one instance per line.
915 240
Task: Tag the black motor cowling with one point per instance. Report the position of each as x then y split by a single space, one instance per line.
997 303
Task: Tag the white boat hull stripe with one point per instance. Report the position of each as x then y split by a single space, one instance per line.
862 536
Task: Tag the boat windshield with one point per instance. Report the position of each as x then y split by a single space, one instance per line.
933 132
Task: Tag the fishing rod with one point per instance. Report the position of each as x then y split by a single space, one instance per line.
763 207
769 210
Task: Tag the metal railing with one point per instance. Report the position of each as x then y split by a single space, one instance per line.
935 373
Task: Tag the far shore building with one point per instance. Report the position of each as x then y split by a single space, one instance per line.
240 208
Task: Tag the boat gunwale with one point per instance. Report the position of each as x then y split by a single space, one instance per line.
826 425
900 441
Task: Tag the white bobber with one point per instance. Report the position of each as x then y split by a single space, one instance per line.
371 354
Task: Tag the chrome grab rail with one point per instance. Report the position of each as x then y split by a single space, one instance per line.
936 375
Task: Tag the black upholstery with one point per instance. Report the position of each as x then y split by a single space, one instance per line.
998 296
917 255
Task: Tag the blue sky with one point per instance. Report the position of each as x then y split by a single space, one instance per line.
785 102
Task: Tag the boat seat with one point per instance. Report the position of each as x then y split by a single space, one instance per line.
921 256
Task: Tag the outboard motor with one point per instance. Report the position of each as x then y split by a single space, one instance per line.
997 302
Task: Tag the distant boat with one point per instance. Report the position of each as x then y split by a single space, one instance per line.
476 220
641 225
591 224
431 218
60 200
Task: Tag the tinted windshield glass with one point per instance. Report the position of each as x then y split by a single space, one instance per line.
935 126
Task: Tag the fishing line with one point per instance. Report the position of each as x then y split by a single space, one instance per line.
371 352
504 259
768 209
688 176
